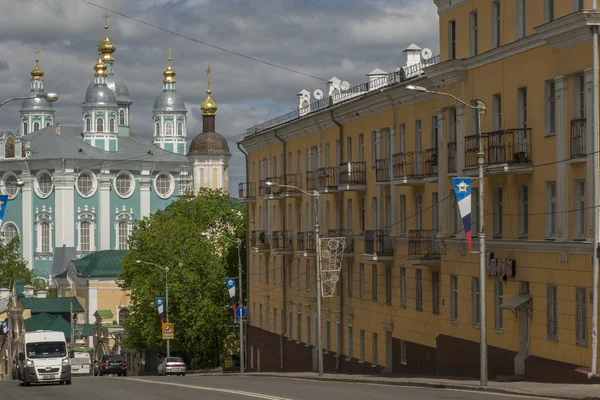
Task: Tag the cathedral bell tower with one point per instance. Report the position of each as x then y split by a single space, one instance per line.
36 113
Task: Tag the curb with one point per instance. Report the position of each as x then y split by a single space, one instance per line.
426 385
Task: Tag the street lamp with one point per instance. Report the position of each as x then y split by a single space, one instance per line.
315 195
49 97
480 107
238 243
166 269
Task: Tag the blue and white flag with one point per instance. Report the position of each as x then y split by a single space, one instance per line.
3 204
5 327
462 189
231 284
160 304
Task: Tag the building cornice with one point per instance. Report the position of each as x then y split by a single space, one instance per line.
447 5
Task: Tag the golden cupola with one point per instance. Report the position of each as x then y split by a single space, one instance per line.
209 107
100 67
106 48
36 73
169 73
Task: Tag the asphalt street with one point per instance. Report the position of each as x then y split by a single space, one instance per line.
229 387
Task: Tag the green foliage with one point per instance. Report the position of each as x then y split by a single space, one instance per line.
199 305
12 265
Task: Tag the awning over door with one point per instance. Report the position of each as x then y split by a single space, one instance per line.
516 302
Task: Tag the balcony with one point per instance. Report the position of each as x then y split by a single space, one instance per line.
378 246
452 157
382 166
508 151
292 180
259 241
347 234
311 180
471 151
407 168
423 247
281 242
431 164
578 139
327 179
305 244
353 176
247 192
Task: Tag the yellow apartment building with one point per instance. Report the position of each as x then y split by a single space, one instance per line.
382 158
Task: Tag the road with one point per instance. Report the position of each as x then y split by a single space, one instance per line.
229 387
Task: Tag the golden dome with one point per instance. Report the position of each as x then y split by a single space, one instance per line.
100 67
106 48
36 73
209 107
169 73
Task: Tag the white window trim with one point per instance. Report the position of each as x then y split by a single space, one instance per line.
6 225
171 183
87 215
123 215
36 186
94 183
523 216
579 217
4 190
44 216
131 189
549 201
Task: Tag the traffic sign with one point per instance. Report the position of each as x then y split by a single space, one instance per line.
168 331
241 312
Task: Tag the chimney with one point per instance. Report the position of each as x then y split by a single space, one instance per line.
377 79
411 56
57 129
304 102
41 294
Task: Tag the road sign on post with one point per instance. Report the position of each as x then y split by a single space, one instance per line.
168 331
241 312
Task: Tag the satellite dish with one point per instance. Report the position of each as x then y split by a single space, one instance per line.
426 54
318 94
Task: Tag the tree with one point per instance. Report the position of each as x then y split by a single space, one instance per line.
199 305
12 266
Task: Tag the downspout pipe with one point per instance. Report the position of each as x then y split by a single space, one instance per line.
340 205
245 360
283 276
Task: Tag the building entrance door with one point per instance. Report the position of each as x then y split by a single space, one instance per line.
523 315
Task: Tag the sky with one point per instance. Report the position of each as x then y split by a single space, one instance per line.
320 38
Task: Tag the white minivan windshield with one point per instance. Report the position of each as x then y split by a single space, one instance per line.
46 350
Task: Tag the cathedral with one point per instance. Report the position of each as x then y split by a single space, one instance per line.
81 187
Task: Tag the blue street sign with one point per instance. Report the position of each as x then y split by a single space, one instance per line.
241 312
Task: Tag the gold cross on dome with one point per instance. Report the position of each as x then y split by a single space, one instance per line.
208 71
37 54
106 16
170 51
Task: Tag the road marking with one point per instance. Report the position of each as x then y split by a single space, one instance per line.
211 389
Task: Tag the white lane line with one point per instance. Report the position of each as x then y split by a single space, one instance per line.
211 389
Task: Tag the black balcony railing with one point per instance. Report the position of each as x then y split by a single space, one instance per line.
281 240
471 150
423 243
451 157
578 138
263 189
378 242
353 173
306 241
311 180
408 164
246 190
292 180
509 146
431 162
345 233
259 239
382 166
327 178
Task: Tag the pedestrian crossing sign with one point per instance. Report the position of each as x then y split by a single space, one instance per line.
168 331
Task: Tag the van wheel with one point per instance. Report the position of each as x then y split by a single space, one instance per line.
182 374
68 382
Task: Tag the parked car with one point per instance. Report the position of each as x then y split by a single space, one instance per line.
171 366
81 364
112 364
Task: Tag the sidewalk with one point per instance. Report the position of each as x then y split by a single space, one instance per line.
542 390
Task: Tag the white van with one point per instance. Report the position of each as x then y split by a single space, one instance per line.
43 358
81 364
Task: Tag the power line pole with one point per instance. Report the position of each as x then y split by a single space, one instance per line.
319 288
71 324
483 373
241 320
167 307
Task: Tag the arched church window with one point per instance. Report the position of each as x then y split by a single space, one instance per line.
9 148
84 235
45 236
180 129
36 126
10 232
123 235
123 315
25 130
122 117
112 125
99 125
169 128
157 129
88 125
47 124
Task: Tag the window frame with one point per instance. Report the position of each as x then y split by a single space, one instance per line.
581 316
454 298
552 312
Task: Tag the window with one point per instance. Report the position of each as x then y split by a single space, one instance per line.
362 345
388 284
453 214
111 125
45 227
180 130
496 24
327 216
419 289
350 280
349 149
548 11
85 184
275 270
275 327
124 184
474 35
36 126
403 358
577 5
581 316
123 235
453 298
260 315
253 315
291 274
268 317
579 112
84 235
362 214
260 262
99 125
550 108
157 129
169 128
374 213
374 148
435 291
308 331
523 210
308 274
552 312
475 303
350 346
361 282
299 327
403 287
498 211
349 215
375 349
497 112
498 300
361 147
452 40
434 212
44 184
25 127
290 324
327 335
374 282
9 148
579 208
298 274
163 185
402 214
267 270
121 117
418 211
10 232
551 210
521 19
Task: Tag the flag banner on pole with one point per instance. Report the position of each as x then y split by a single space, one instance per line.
3 204
231 284
160 304
462 189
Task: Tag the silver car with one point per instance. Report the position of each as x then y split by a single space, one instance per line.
171 366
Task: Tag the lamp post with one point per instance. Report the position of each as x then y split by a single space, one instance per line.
49 97
315 195
166 269
238 243
480 107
